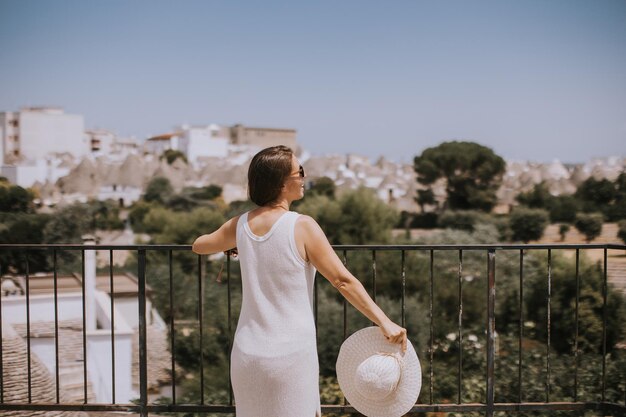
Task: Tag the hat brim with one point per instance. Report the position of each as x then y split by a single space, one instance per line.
360 346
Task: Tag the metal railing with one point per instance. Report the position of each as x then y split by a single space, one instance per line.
488 406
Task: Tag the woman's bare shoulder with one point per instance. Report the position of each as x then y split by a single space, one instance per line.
308 225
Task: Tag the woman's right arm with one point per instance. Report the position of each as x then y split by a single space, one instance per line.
321 254
221 240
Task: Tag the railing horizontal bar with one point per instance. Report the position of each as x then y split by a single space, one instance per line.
68 407
418 408
482 246
338 247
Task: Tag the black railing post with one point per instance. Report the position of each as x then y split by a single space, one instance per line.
460 322
172 330
576 325
548 325
30 387
84 317
201 326
521 325
431 347
604 311
1 351
143 351
345 314
230 330
56 328
112 299
491 328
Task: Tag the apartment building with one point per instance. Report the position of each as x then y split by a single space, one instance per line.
35 132
214 140
262 137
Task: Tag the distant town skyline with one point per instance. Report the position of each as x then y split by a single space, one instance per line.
533 80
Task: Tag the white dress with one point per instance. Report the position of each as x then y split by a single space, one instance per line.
274 363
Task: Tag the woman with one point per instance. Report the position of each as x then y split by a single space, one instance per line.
274 364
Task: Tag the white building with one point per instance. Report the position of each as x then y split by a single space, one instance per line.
99 320
193 141
207 141
35 132
100 141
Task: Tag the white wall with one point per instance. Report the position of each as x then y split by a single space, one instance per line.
43 132
25 175
98 341
99 368
129 307
42 308
201 142
157 147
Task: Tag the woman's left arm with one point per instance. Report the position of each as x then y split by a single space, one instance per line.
221 240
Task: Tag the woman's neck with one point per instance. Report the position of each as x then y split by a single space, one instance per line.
281 204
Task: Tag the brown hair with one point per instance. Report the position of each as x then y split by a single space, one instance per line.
267 173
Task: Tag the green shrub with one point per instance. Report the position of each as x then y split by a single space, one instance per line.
417 220
589 225
459 220
563 208
528 224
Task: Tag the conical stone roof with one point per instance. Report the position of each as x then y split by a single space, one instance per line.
83 179
15 378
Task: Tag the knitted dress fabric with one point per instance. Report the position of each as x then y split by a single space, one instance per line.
274 363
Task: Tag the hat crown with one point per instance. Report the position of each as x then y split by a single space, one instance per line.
378 376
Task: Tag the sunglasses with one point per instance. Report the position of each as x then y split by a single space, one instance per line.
301 172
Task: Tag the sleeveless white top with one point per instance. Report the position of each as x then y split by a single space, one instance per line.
274 363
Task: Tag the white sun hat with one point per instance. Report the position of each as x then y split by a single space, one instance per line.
375 376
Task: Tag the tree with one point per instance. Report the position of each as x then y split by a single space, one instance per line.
563 229
563 306
365 219
19 228
323 186
617 210
137 214
528 224
357 217
105 215
209 192
326 212
595 194
172 155
472 172
589 225
425 197
69 224
159 190
538 197
563 208
14 198
621 231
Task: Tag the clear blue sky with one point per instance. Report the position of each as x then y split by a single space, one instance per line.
534 80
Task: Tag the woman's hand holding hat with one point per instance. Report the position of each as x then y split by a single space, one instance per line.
394 333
